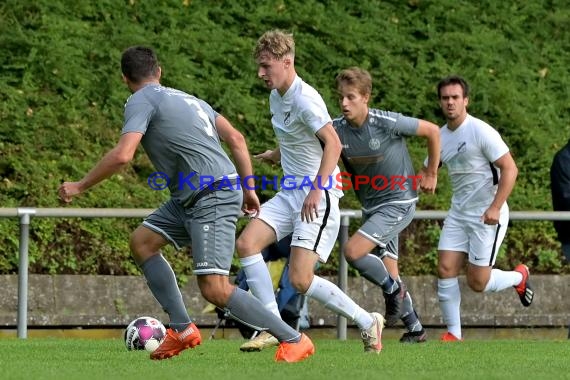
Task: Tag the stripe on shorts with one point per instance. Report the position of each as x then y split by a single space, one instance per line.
494 244
325 218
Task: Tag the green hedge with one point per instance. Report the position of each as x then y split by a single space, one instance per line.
62 99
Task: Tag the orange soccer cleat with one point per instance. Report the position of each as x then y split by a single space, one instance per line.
176 342
449 337
295 352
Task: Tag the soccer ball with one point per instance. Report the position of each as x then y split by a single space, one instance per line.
144 333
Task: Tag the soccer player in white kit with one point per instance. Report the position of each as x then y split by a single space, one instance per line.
483 174
307 203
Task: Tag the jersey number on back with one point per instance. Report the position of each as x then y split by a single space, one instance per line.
208 125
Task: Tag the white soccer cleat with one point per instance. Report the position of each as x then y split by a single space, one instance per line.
372 337
263 340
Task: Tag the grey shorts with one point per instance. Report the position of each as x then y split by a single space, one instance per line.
208 227
384 224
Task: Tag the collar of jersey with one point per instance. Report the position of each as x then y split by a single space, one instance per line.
289 96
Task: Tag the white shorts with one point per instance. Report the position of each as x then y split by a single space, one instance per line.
283 214
465 232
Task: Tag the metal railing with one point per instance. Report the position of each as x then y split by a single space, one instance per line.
25 214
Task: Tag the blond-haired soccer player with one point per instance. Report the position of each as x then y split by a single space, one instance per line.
376 157
307 205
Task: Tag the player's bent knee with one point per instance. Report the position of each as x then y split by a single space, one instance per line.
444 271
241 248
476 285
477 288
215 291
352 253
300 283
139 250
244 246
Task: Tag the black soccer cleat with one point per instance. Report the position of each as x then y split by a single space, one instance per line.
414 337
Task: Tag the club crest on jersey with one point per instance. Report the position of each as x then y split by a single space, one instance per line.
287 119
374 144
462 147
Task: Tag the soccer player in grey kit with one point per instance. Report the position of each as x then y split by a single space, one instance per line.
181 135
375 155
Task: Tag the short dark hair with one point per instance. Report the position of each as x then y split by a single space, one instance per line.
139 63
453 79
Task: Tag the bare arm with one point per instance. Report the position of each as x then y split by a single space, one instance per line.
509 173
238 147
112 162
430 131
331 154
240 154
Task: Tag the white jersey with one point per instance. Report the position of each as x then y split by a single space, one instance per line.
469 152
296 117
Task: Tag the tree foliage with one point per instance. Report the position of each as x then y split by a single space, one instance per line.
62 99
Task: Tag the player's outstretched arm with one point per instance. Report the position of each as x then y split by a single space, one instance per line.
111 163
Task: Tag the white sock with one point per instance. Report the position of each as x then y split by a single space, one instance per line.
450 301
336 300
259 281
500 280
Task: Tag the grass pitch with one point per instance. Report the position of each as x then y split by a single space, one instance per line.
106 359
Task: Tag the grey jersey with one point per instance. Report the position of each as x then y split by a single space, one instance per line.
377 151
180 138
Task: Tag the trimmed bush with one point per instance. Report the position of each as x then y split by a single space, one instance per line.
62 100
